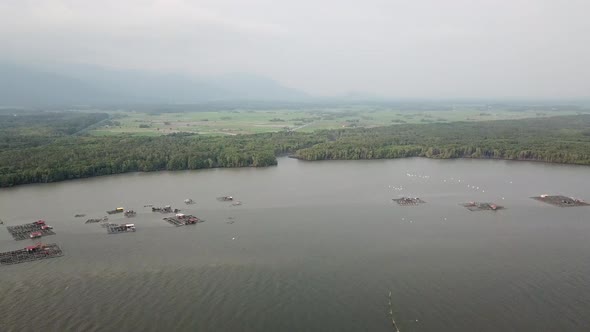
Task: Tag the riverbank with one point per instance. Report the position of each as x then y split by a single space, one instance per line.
564 140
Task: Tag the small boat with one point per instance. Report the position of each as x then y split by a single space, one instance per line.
189 201
225 198
79 215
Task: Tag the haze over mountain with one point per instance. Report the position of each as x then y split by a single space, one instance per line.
20 85
389 48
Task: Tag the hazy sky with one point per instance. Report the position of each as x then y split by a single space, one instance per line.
411 48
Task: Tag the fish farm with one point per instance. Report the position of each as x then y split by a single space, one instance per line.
30 231
408 201
561 201
129 213
165 209
117 210
30 253
115 229
477 206
90 221
182 220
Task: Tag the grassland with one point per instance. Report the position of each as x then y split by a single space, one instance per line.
233 122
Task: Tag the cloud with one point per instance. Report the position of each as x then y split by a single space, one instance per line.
419 48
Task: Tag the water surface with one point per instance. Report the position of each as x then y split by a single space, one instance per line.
314 247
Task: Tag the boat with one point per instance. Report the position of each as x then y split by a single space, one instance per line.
189 201
226 198
117 210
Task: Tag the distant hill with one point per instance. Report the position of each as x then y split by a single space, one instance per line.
69 85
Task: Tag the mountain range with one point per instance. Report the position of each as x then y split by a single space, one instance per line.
91 85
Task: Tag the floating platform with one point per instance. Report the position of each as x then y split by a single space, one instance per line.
165 209
31 253
408 201
129 213
561 201
182 220
117 210
90 221
116 229
477 206
23 232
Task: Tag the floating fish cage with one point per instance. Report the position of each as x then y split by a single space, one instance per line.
125 228
561 201
477 206
182 220
408 201
23 232
90 221
165 209
129 213
31 253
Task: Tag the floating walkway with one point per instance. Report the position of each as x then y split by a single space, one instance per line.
476 206
23 232
31 253
408 201
561 201
182 220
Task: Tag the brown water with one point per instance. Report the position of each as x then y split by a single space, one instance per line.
314 247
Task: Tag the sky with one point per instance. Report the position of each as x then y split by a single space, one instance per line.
387 48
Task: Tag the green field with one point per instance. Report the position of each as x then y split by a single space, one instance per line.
259 121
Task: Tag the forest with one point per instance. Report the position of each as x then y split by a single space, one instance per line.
49 147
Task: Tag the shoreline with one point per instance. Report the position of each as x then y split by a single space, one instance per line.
292 156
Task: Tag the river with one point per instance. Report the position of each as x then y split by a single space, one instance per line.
315 246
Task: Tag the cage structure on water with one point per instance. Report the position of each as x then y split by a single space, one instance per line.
90 221
561 201
408 201
183 219
30 253
165 209
29 231
117 210
115 229
129 213
477 206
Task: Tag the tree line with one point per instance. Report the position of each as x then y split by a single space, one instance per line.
51 153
